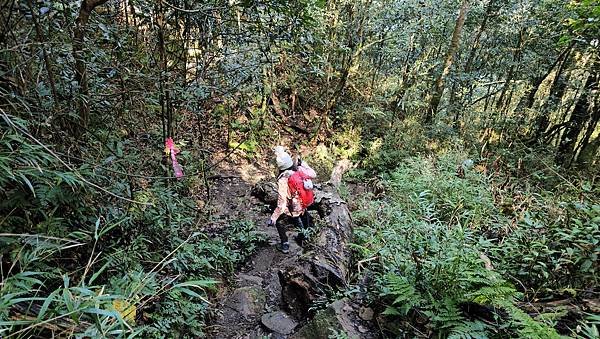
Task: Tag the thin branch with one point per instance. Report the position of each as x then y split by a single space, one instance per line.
77 174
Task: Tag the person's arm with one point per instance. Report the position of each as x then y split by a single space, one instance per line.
282 198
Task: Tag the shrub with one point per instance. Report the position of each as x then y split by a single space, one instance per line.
428 240
75 262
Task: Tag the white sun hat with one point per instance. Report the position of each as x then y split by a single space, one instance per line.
283 159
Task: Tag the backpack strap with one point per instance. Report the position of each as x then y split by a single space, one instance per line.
286 174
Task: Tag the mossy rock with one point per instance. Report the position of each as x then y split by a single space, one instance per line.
248 301
334 319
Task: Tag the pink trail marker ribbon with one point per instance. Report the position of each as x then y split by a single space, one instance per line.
172 150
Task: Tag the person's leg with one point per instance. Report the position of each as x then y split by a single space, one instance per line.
307 220
281 228
299 224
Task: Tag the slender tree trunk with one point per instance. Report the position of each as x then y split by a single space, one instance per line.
502 103
509 99
538 81
438 89
163 68
557 89
456 100
379 63
134 20
591 127
125 12
86 9
354 42
527 101
487 98
405 81
453 107
581 112
41 40
488 13
347 62
587 156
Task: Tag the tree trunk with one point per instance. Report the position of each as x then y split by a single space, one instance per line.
40 38
528 100
379 63
86 9
329 259
587 157
350 58
438 89
557 90
542 121
500 104
469 65
404 83
581 112
482 27
163 98
591 128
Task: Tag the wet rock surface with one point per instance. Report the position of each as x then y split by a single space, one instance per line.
365 313
248 301
279 322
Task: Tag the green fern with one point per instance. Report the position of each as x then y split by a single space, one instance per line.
469 330
446 314
527 327
405 296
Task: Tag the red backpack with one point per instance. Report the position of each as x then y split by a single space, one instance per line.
296 185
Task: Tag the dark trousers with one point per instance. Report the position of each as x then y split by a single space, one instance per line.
300 222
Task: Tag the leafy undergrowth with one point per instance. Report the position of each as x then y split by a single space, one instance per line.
103 254
456 251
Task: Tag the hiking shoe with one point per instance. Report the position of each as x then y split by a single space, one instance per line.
284 247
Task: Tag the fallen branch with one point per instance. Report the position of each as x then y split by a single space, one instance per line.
570 305
222 177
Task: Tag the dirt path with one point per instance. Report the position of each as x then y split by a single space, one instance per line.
255 289
251 305
256 293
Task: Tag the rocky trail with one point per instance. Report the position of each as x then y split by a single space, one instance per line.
254 304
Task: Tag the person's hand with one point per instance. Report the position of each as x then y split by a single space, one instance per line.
270 223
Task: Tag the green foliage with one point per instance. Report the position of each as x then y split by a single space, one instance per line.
337 334
456 200
101 271
347 144
177 315
554 248
354 75
589 327
32 178
405 139
322 160
219 254
428 236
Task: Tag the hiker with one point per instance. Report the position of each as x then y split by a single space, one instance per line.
294 188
